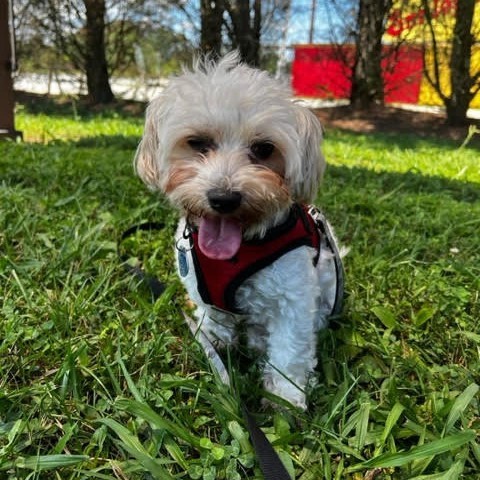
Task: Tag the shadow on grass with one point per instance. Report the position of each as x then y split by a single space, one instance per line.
407 135
354 179
385 184
108 141
77 106
405 140
398 126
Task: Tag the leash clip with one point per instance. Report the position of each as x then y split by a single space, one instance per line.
183 249
186 235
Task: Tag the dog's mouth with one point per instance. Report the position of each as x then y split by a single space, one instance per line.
219 237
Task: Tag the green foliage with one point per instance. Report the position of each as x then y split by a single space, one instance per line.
98 382
164 52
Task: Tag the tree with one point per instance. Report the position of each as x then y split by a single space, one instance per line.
245 28
211 14
77 28
7 120
90 37
464 83
367 79
236 24
96 69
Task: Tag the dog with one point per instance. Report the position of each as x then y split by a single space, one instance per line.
242 161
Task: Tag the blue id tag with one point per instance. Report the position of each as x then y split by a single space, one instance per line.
182 262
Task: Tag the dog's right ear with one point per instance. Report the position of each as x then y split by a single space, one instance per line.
147 155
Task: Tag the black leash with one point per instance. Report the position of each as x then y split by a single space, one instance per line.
268 459
153 283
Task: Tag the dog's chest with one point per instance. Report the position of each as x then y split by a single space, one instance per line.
219 280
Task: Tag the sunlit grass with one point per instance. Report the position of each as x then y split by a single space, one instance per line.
98 382
401 154
46 128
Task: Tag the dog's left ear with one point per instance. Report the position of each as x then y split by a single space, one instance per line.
312 163
146 157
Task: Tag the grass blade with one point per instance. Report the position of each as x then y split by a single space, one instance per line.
362 425
436 447
453 473
46 462
424 315
131 384
391 421
459 406
240 435
144 411
69 430
385 315
132 444
175 452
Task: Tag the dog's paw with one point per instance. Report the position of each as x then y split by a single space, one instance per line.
220 331
220 339
285 389
279 404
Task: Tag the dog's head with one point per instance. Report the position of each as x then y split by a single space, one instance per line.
227 145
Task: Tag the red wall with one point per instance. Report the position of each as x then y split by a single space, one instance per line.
324 71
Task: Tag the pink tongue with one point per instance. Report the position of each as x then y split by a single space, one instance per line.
219 237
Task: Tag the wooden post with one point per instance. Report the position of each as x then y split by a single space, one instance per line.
7 123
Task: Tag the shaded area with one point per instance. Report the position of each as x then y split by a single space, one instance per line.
394 121
61 105
384 119
363 181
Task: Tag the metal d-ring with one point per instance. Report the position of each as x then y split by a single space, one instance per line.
186 235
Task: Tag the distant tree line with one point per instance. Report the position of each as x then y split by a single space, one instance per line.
101 38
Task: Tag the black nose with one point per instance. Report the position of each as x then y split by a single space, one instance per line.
222 201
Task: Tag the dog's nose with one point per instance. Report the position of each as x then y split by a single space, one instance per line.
222 201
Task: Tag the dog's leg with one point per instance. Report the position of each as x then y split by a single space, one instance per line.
291 353
256 337
220 328
283 299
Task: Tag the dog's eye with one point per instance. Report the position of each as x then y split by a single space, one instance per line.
201 144
262 150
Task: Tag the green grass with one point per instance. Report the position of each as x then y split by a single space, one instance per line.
96 381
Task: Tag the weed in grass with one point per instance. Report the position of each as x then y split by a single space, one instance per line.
98 382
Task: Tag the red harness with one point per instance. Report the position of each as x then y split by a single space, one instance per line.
218 280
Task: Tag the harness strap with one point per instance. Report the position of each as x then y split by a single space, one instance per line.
324 227
218 280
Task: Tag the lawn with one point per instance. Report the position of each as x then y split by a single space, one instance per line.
97 381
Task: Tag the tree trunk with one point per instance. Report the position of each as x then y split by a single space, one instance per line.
367 81
247 30
211 15
98 85
7 127
460 77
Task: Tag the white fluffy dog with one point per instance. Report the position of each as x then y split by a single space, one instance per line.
231 150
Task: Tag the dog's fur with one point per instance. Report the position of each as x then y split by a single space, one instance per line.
207 132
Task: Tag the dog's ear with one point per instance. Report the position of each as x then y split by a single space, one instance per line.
146 157
312 163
